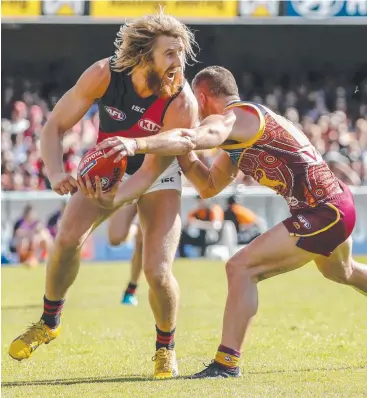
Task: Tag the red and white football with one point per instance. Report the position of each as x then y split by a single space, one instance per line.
95 164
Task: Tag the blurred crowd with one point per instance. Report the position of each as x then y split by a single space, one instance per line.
332 113
209 230
30 239
24 112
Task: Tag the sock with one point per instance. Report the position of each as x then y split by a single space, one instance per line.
52 312
131 288
227 358
165 339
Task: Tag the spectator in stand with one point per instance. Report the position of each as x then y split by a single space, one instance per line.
54 220
248 225
13 243
31 239
203 228
19 121
36 120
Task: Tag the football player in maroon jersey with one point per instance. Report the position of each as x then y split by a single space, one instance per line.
260 143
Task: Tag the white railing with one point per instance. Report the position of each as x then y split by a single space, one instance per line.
261 200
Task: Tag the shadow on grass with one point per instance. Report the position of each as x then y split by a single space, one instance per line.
21 307
80 380
129 378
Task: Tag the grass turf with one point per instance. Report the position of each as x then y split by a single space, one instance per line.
309 338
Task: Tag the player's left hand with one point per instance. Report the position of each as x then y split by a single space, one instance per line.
102 199
121 145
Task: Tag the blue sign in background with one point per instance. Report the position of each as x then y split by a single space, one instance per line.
326 8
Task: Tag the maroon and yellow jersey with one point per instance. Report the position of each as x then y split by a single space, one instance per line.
281 157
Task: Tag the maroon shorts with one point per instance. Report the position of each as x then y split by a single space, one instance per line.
323 228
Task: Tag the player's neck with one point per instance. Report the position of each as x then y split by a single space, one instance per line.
228 100
222 102
138 78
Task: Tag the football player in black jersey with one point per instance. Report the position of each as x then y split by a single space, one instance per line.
151 53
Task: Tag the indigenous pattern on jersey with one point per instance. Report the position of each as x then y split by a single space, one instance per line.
281 157
123 113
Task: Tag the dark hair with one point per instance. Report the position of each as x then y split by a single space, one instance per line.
27 209
219 81
232 200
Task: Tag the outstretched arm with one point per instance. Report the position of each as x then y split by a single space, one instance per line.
213 131
208 181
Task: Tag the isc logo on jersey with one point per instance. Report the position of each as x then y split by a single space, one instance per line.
149 125
138 109
115 113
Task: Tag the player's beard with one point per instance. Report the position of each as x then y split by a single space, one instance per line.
161 86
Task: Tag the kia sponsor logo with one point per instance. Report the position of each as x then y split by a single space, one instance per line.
149 125
115 113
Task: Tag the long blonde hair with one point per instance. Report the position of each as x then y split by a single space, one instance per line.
135 40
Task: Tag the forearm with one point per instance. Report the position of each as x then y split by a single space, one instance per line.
133 188
169 143
181 141
51 149
196 172
142 180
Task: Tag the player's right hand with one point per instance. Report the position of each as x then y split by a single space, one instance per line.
102 199
63 183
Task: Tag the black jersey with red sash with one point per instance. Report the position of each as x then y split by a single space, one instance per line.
123 113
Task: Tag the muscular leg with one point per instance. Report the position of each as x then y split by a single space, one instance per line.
79 218
137 260
119 227
119 224
342 268
77 222
159 214
270 254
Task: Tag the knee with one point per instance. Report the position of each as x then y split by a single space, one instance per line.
117 239
67 242
239 266
334 274
157 278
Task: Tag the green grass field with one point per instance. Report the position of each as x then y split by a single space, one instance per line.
309 338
